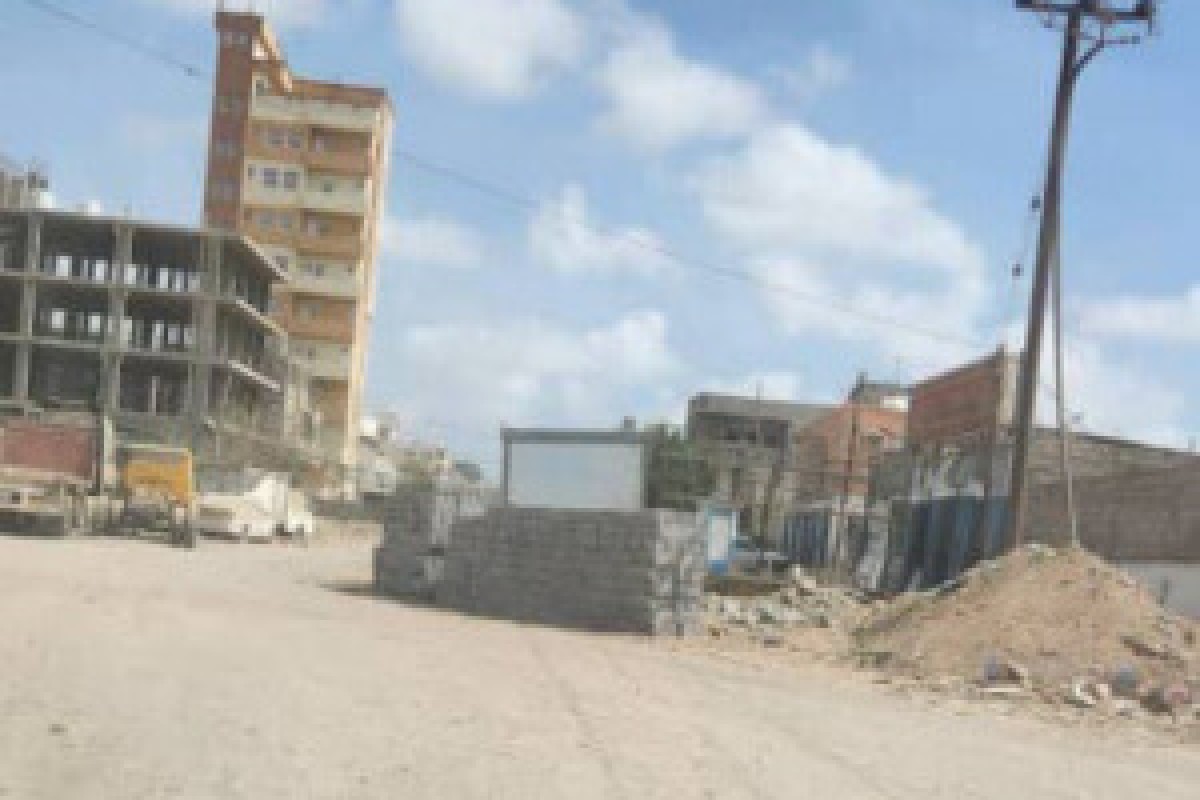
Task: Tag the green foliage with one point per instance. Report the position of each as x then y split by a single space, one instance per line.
678 476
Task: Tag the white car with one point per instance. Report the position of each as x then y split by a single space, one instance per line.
251 505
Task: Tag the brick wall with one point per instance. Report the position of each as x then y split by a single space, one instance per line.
1147 515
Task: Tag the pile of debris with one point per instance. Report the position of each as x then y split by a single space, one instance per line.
1061 626
782 613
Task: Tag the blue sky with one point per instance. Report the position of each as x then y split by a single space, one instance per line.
872 155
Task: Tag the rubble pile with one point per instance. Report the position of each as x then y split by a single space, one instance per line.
1061 626
800 614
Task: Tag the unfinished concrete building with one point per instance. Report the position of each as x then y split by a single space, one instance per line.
164 328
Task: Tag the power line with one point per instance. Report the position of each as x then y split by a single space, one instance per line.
149 51
483 186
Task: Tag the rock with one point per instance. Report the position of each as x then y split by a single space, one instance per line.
1124 707
1124 681
1169 699
769 615
1082 693
1005 671
1140 646
1005 690
772 640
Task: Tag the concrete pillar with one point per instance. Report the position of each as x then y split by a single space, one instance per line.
21 372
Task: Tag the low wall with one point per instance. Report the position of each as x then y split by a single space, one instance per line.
635 571
416 531
631 571
1177 586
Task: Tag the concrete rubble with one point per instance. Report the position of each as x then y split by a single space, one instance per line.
1063 632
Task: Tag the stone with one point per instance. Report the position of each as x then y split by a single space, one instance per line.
1124 681
1005 671
1082 693
1140 646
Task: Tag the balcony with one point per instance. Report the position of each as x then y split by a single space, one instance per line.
278 108
357 162
319 360
322 329
343 246
339 201
333 281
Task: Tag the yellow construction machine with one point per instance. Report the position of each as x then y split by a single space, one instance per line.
157 491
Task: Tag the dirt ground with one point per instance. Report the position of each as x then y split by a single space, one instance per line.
130 670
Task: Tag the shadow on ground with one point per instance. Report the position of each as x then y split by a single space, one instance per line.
367 590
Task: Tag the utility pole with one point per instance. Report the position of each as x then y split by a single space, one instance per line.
1060 396
1091 22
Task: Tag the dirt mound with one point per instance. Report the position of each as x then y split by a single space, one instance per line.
1048 616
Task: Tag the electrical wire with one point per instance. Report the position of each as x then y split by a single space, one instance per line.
483 186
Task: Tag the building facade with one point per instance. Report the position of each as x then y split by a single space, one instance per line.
22 186
300 166
164 328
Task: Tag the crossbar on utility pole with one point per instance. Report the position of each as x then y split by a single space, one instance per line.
1077 14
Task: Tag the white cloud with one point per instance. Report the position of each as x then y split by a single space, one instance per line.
791 189
283 13
493 48
1108 394
822 71
845 250
1168 318
659 98
530 371
431 242
562 236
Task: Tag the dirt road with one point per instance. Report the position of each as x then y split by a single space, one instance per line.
134 671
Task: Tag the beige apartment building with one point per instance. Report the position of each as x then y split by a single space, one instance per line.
300 166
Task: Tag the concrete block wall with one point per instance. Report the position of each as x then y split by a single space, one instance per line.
417 520
635 572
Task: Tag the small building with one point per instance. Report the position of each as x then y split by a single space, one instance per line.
598 470
165 328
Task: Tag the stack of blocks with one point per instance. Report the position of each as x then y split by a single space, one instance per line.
620 571
635 572
416 529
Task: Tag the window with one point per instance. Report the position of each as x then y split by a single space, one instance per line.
319 144
251 171
261 86
282 262
266 218
318 270
315 227
227 39
225 148
328 186
275 137
224 104
270 177
243 40
285 221
291 179
295 140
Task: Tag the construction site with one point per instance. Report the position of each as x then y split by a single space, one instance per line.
236 563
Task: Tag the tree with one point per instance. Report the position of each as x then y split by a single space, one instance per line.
678 477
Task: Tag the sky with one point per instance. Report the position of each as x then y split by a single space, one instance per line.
604 170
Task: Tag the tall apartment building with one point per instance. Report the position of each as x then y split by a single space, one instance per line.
300 166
